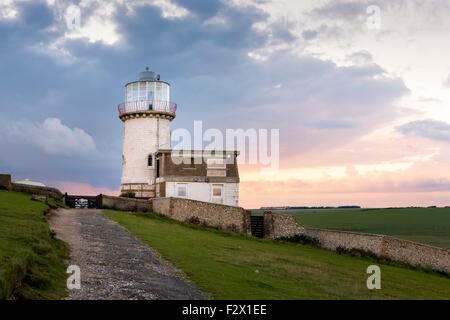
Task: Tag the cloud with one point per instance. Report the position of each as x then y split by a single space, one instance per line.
309 34
446 83
53 137
342 10
431 129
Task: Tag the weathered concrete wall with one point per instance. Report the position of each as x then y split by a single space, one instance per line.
5 181
126 204
214 215
42 191
417 254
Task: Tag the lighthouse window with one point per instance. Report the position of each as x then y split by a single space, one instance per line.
142 91
150 161
135 91
158 91
129 93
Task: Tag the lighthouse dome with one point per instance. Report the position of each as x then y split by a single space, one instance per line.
148 75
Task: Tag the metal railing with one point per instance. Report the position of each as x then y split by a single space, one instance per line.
147 105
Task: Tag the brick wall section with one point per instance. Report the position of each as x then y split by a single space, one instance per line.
169 168
417 254
42 191
211 214
5 181
126 204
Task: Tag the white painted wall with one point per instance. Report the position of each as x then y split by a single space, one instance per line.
141 140
202 191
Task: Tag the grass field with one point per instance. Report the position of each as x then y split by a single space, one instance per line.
31 261
232 266
426 225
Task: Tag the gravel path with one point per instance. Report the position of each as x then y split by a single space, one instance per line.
113 263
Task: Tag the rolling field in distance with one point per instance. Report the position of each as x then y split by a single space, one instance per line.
425 225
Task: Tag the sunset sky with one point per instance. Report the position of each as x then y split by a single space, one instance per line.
363 114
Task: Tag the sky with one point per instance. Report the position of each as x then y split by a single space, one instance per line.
360 97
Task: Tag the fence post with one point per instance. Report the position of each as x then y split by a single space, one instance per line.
268 224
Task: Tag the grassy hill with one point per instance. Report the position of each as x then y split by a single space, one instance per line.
232 266
31 261
426 225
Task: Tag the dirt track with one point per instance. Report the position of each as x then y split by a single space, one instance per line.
113 263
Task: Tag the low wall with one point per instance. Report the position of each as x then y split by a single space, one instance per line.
417 254
5 181
214 215
42 191
126 204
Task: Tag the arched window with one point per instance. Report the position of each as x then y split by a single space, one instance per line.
150 160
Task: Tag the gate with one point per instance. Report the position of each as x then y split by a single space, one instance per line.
80 202
257 225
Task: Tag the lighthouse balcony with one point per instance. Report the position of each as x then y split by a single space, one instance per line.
147 105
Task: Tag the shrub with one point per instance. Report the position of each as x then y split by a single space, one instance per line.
129 194
193 220
302 239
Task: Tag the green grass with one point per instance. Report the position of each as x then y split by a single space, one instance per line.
426 225
233 266
31 261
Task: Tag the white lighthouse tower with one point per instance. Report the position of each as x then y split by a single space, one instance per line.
146 114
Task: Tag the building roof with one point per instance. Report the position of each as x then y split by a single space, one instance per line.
30 183
199 152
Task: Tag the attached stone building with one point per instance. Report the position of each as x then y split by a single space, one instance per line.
193 175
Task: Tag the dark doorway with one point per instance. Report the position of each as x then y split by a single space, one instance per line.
157 168
257 224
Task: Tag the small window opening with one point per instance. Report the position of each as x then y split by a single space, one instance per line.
150 161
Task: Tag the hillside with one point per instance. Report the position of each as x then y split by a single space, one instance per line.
31 261
233 266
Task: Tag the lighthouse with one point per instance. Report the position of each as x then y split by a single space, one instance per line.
146 115
148 166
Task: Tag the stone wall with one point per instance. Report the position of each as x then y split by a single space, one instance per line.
5 181
210 214
417 254
126 204
42 191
